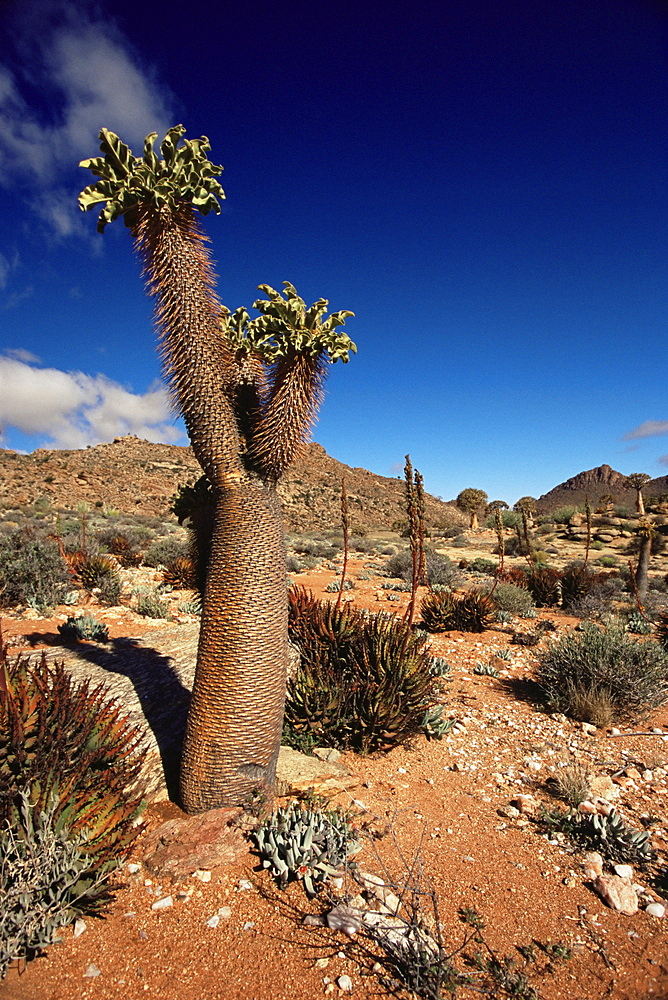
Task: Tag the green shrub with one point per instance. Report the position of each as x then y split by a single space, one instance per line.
509 597
164 551
151 605
439 568
610 562
594 664
32 570
480 565
562 515
364 681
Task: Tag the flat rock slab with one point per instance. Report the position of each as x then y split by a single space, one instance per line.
297 774
179 847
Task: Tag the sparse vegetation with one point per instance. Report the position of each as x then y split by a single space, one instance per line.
597 673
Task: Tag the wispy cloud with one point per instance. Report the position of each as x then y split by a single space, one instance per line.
93 79
651 428
72 410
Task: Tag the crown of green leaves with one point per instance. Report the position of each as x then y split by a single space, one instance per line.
185 174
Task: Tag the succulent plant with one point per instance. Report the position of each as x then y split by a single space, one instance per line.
84 627
485 670
434 725
60 737
638 624
364 681
525 638
151 605
442 611
544 586
181 572
47 880
94 571
439 667
614 838
310 845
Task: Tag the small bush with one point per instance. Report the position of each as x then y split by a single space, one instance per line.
609 562
593 666
480 565
84 627
164 551
509 597
32 571
459 541
151 605
439 568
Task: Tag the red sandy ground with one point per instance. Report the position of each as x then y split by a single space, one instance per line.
441 799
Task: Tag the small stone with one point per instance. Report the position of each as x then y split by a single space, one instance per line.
624 871
617 894
658 731
313 920
79 927
615 732
601 786
203 876
163 904
345 984
587 807
604 808
213 921
633 773
321 963
570 882
249 925
133 868
91 972
402 770
510 812
647 775
244 885
656 910
588 728
525 803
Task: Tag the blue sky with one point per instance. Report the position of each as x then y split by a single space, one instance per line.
483 184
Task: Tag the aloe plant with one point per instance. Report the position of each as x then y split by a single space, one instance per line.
248 390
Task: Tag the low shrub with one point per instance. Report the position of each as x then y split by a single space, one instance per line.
84 627
480 565
363 682
595 667
32 570
509 597
151 605
164 551
439 569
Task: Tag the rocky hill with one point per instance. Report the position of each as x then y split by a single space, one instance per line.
594 484
135 476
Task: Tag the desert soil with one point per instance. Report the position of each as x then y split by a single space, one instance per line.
443 801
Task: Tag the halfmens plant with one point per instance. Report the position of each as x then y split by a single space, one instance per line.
248 390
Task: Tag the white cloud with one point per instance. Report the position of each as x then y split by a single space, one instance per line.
93 80
72 410
650 428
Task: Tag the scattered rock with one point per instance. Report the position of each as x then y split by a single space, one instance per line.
593 862
163 904
79 927
601 786
92 972
345 984
344 918
656 910
617 893
526 804
624 871
297 774
180 847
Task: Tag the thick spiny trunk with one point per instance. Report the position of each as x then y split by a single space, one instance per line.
235 719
